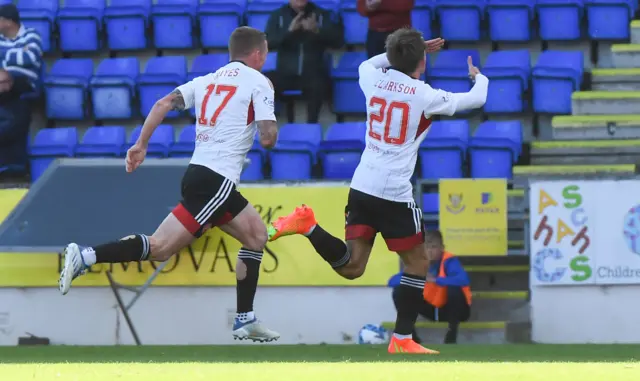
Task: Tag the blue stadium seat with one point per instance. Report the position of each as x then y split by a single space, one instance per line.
113 88
294 156
422 17
126 22
161 76
257 156
430 205
556 75
460 19
218 18
510 20
258 13
332 6
450 71
173 22
270 63
66 88
443 152
207 63
609 19
40 15
184 145
560 20
509 72
341 149
494 148
102 142
347 95
355 26
160 143
80 25
49 144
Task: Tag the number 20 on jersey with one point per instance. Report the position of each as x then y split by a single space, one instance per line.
383 116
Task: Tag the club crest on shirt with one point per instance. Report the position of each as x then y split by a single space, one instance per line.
455 203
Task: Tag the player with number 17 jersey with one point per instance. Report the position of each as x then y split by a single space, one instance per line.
227 103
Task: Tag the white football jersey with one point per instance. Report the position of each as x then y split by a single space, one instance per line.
399 110
228 103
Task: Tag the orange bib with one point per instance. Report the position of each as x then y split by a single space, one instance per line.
437 295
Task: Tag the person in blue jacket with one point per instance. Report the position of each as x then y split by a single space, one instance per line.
445 271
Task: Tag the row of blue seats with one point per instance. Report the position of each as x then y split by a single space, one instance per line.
553 78
117 83
82 23
493 149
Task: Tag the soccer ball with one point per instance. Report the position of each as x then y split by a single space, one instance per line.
373 334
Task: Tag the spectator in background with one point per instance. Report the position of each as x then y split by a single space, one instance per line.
21 53
301 32
385 17
447 295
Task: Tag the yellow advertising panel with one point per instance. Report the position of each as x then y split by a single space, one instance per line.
290 261
473 216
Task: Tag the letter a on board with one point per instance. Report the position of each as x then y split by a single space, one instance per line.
544 201
563 231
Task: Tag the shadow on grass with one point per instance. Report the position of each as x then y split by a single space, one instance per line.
316 353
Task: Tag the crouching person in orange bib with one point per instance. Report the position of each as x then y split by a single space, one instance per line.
447 295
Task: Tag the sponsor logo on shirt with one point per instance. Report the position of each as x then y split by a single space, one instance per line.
268 102
446 97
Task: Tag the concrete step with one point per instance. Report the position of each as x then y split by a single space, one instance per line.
576 127
489 332
625 55
635 31
605 102
499 278
521 172
569 152
615 79
496 306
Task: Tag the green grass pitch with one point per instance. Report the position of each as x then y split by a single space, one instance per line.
321 363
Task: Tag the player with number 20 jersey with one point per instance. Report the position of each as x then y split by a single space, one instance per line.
399 110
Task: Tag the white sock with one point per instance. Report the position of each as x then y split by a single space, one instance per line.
402 337
310 231
88 256
245 316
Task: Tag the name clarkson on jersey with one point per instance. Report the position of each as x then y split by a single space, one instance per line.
395 87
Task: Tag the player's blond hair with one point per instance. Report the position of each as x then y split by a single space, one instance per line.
405 49
244 41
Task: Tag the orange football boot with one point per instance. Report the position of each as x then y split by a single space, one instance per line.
299 222
408 346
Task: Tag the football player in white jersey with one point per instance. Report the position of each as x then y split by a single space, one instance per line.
399 110
230 105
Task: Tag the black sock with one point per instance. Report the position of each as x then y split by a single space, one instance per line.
408 296
331 249
246 288
129 249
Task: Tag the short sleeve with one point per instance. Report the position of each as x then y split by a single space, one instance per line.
263 100
439 102
188 91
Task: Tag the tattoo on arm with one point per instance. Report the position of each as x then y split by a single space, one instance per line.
177 101
268 131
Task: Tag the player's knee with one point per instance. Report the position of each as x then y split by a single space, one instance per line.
256 237
416 264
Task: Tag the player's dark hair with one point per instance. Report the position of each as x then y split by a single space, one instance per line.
433 237
244 41
405 49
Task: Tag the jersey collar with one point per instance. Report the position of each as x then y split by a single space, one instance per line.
393 68
242 62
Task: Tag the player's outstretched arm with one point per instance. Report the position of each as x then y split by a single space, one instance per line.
268 133
170 102
444 103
